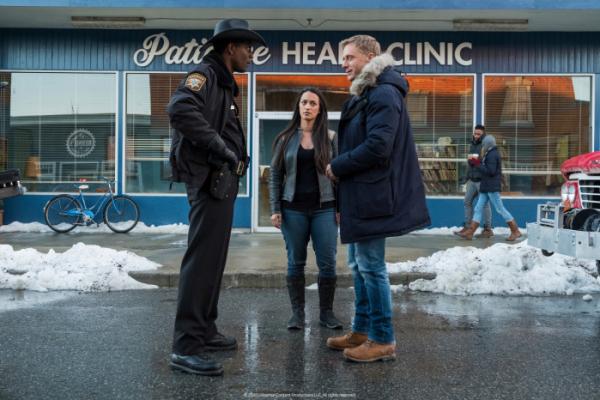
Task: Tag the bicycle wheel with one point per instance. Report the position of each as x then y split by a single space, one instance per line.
62 213
121 214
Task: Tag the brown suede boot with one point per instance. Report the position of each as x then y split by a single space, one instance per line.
349 340
486 233
371 351
460 233
471 231
515 233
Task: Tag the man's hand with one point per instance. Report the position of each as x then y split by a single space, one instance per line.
330 174
276 220
474 162
231 159
337 218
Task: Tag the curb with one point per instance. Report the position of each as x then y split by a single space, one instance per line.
269 280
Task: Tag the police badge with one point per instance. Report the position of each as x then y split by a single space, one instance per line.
195 81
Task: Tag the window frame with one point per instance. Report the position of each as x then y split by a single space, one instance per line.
279 115
475 77
124 136
533 74
117 76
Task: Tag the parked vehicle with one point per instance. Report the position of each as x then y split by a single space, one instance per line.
10 184
572 227
64 212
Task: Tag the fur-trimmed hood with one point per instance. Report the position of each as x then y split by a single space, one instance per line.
378 71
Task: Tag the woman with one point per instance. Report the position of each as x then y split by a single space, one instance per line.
491 180
302 203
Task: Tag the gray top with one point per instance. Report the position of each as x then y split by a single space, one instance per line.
282 181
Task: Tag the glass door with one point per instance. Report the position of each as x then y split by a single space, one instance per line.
275 97
267 126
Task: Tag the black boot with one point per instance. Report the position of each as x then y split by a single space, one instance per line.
326 295
295 287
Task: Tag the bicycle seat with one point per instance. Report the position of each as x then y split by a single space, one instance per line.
83 187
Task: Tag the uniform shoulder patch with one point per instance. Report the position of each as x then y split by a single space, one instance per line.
195 81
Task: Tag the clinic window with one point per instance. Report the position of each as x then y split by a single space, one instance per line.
148 136
58 128
538 122
278 92
441 114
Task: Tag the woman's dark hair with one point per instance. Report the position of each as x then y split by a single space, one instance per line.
320 135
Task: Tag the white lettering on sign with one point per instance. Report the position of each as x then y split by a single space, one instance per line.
422 53
305 53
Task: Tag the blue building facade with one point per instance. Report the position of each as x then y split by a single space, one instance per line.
83 103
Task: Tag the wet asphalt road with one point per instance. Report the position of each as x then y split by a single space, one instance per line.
116 346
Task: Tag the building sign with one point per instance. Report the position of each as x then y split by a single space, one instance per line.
81 143
305 53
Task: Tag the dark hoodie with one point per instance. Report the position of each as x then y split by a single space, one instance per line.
381 192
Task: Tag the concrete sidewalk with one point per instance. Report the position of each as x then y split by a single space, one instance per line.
255 259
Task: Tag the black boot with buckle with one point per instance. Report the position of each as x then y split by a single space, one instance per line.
326 295
295 287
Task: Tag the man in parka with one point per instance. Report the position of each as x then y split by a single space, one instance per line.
207 135
381 193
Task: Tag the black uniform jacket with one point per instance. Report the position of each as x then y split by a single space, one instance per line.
198 113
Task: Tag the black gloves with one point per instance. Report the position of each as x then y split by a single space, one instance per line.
219 149
231 159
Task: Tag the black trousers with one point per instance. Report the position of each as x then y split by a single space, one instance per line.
202 269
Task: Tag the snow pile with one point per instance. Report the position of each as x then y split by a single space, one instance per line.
501 269
31 227
83 267
502 231
37 227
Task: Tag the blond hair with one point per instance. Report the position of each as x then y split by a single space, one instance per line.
364 43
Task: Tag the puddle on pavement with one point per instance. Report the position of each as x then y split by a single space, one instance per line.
16 299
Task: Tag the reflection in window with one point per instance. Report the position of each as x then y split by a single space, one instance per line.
516 110
550 121
441 115
58 128
147 168
278 92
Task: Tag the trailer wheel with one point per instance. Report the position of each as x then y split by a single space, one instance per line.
547 253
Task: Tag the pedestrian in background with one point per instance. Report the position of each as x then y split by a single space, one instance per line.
472 187
490 166
208 154
302 201
381 192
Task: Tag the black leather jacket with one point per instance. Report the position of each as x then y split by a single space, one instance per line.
197 114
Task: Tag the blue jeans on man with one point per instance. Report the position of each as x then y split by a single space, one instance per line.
471 196
373 301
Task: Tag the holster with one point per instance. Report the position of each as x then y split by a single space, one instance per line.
221 182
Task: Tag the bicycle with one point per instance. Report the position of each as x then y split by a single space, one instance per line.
64 212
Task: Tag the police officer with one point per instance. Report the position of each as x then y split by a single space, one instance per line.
207 137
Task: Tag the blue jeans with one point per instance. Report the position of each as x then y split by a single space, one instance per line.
470 200
300 226
494 198
373 298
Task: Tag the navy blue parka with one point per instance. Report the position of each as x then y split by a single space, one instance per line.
381 192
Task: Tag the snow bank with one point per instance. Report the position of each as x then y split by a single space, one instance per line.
37 227
502 269
83 267
501 231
